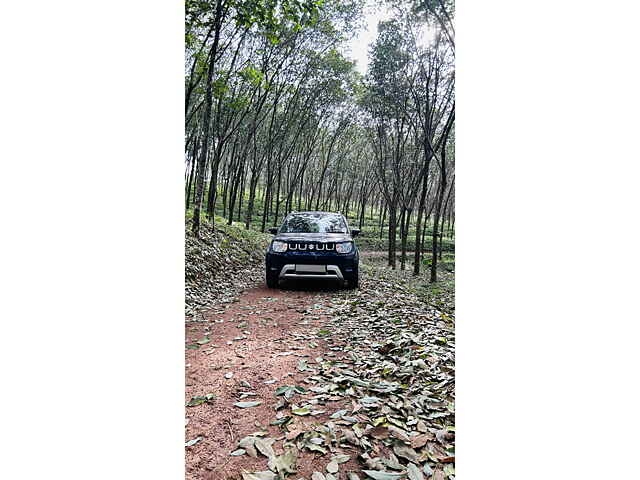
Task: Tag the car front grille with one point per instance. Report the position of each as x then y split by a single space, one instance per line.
312 246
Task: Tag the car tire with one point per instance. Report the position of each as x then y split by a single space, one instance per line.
272 279
353 281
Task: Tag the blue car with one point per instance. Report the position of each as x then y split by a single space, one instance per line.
316 245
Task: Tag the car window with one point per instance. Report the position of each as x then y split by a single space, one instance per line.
314 223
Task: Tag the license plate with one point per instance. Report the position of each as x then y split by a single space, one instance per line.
311 268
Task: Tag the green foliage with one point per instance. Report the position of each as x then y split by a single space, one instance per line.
251 75
275 15
431 9
289 106
387 79
219 87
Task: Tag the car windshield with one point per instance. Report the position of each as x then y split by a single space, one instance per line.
314 223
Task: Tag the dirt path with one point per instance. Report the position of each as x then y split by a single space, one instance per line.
373 371
258 339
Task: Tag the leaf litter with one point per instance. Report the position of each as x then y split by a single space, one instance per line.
392 358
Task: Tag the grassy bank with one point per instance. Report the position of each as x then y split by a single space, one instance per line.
215 262
440 295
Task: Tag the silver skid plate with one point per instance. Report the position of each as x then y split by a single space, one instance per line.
311 268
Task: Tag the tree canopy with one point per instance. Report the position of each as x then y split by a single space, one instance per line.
277 118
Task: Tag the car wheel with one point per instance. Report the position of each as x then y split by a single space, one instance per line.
353 282
272 279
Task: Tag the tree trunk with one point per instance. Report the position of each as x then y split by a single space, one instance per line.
233 194
436 218
241 194
252 195
406 218
190 183
421 208
275 217
265 206
207 122
392 236
300 192
384 217
424 234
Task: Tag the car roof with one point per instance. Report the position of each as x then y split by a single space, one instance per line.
316 212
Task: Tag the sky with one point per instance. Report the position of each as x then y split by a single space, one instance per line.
359 46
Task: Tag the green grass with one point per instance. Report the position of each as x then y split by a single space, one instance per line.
368 242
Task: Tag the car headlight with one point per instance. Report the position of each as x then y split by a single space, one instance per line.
344 247
280 247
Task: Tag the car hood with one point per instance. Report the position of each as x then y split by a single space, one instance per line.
313 237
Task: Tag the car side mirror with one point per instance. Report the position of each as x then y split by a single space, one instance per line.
355 232
273 230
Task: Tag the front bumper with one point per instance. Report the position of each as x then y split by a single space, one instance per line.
338 267
332 273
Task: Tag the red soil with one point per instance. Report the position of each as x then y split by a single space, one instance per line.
271 317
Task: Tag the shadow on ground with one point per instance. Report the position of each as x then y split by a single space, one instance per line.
311 285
